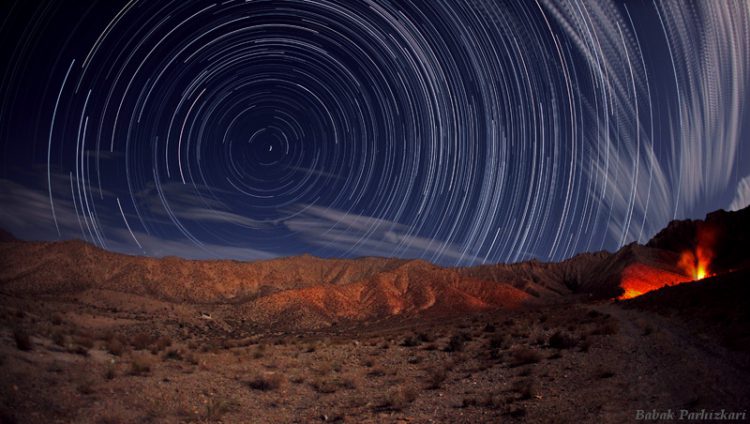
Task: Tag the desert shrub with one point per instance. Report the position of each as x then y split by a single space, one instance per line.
607 328
517 411
523 356
58 338
489 328
605 374
191 359
217 407
115 346
585 344
55 367
22 339
85 387
491 400
347 383
83 341
593 314
110 373
78 350
425 337
376 372
399 398
497 342
411 341
324 386
160 344
469 401
524 388
265 382
560 340
141 341
173 354
56 319
435 377
139 366
455 344
414 360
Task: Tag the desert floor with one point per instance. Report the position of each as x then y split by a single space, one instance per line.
81 359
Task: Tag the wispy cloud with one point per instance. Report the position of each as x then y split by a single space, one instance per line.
184 248
26 213
365 235
192 203
742 197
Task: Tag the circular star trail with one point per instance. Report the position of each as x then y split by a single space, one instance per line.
454 131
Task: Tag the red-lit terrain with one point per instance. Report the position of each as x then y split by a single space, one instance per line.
94 336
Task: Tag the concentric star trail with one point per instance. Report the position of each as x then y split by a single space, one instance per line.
455 131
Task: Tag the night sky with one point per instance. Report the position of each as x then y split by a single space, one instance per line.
457 131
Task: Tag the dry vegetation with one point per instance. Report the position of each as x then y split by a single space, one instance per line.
66 361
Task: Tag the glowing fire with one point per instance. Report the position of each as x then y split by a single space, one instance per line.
696 264
638 279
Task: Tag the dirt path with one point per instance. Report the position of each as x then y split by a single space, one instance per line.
674 368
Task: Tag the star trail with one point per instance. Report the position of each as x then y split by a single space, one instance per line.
457 131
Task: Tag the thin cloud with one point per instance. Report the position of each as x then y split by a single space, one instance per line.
365 235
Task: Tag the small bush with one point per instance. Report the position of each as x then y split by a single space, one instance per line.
399 398
58 338
23 341
605 374
141 341
376 372
160 344
489 328
524 388
469 401
139 366
324 386
561 340
83 341
497 342
517 411
173 354
115 346
414 360
585 344
524 356
411 341
217 407
425 338
265 383
455 344
85 388
435 377
110 373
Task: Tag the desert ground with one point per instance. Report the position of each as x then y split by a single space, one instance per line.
89 336
73 359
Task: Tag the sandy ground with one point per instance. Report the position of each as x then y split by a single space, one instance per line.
129 359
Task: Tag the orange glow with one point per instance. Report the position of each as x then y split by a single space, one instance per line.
630 293
638 279
696 264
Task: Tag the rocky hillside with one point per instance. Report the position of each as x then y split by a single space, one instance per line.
318 291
